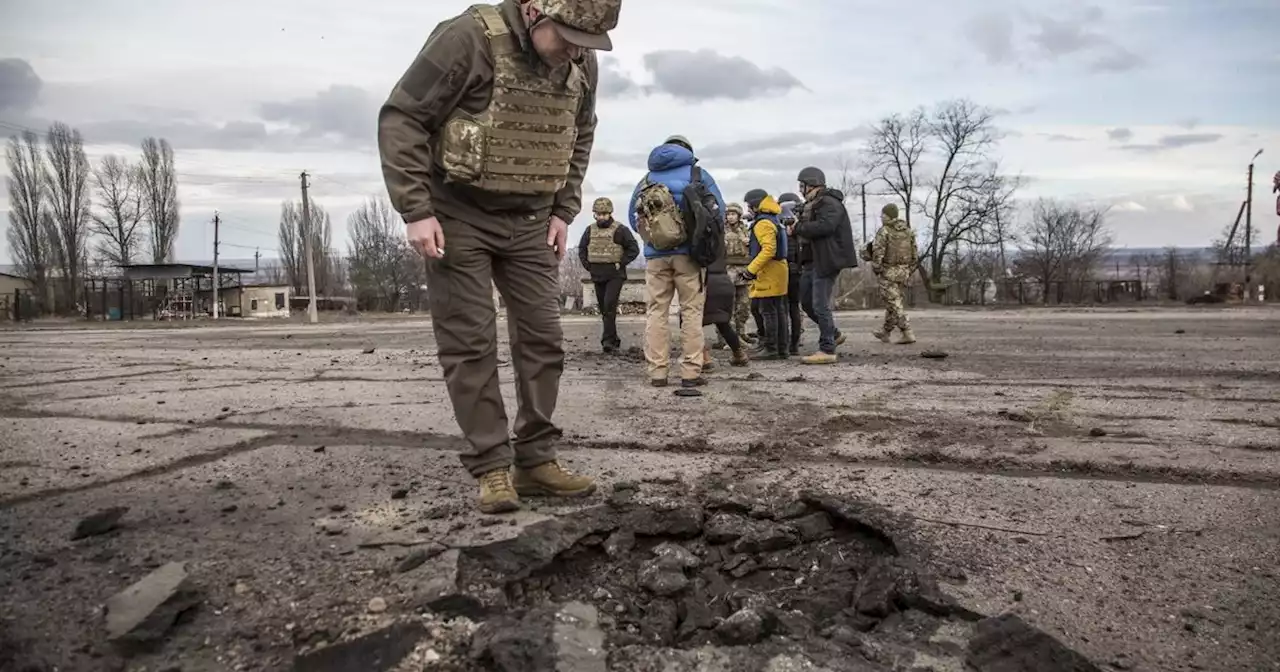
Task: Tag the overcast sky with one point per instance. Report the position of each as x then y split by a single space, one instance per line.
1153 107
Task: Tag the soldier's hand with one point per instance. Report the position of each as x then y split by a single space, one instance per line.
426 236
557 235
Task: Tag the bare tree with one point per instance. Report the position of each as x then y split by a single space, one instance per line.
120 210
30 232
1063 243
159 180
293 247
377 253
68 190
939 163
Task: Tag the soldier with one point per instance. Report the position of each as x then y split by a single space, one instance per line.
737 242
606 250
485 141
893 258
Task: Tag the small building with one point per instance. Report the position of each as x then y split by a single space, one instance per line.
265 301
11 284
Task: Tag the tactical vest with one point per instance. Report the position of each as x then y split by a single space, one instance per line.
737 246
602 249
524 141
898 250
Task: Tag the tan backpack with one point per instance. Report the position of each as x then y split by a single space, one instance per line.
661 223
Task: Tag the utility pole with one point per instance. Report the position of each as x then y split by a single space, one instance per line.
312 317
864 213
257 254
216 221
1248 232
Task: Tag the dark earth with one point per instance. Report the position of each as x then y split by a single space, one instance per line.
1064 490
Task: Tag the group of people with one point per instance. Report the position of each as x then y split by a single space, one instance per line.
780 259
485 141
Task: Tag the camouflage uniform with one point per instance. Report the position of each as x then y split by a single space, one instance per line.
893 258
737 240
485 136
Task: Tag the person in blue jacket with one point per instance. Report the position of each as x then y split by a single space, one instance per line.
671 273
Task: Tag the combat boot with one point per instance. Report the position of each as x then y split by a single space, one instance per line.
740 357
839 337
708 365
820 358
907 337
552 480
881 335
497 494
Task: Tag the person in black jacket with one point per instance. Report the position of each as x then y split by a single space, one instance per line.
791 207
827 239
605 251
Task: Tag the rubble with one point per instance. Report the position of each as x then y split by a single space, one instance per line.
376 651
1008 644
140 616
99 523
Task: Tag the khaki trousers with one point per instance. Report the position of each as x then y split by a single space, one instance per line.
665 278
510 252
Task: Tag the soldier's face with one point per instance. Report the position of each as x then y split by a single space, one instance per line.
732 218
603 217
551 45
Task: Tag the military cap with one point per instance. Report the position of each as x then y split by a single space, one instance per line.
812 177
602 205
733 207
754 197
585 23
890 211
788 198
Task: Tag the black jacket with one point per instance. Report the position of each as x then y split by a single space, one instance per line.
606 272
827 233
718 308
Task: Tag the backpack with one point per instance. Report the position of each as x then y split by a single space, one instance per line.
705 221
664 225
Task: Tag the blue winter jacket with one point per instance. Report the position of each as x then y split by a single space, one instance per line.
671 166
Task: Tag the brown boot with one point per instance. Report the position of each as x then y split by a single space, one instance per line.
907 337
740 357
820 358
708 365
552 480
497 495
882 336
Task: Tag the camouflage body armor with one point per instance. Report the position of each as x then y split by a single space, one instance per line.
898 251
523 142
737 246
602 249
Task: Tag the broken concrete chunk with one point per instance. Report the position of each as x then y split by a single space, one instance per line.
374 652
744 627
619 543
443 592
550 639
139 617
682 521
725 528
99 523
764 537
1008 644
813 527
677 555
419 557
662 577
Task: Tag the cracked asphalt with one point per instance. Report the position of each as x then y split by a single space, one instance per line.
1111 475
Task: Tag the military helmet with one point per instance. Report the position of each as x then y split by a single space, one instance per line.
754 197
585 23
789 198
733 207
890 211
602 205
679 140
812 177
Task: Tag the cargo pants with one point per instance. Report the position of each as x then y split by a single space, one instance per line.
510 252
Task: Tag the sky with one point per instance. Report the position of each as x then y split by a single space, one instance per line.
1151 108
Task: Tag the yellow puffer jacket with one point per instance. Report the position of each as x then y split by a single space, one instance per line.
771 274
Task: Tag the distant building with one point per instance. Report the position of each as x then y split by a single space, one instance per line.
265 300
9 284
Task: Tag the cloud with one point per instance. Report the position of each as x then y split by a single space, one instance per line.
1129 206
1120 134
19 85
696 76
1175 141
340 111
1059 137
992 34
1022 38
613 81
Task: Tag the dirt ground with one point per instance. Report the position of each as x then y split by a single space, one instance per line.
1111 476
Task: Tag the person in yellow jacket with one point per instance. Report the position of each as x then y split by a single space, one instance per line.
768 273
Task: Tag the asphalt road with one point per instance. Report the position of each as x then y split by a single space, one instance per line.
1110 475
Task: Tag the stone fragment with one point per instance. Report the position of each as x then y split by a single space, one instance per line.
1008 644
99 523
745 626
376 651
139 617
